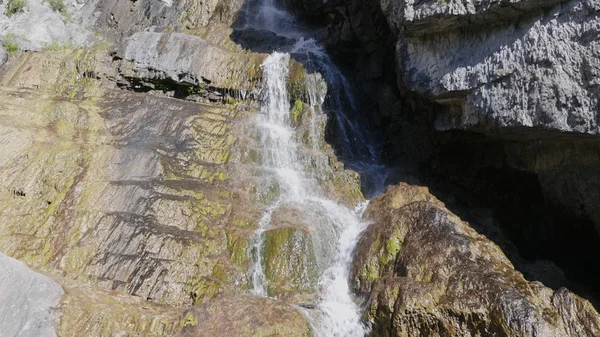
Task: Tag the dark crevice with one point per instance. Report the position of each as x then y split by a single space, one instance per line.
544 240
203 92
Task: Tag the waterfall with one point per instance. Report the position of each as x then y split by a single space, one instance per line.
334 229
279 152
332 223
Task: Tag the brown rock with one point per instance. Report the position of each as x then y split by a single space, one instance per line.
244 316
429 273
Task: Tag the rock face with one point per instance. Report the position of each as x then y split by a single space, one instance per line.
428 273
38 26
244 316
28 301
156 204
188 59
290 262
129 172
500 101
521 64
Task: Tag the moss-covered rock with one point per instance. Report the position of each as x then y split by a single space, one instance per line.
290 264
296 84
297 112
428 273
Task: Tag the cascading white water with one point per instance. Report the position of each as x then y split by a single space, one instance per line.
331 222
334 229
278 149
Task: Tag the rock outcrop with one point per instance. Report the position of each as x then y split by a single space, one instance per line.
502 65
189 60
500 103
130 174
129 171
426 272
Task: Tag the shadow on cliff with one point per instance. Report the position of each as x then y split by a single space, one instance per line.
544 241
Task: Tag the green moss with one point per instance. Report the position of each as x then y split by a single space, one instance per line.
289 261
387 250
9 42
297 112
219 272
203 289
15 6
296 81
237 245
243 224
58 6
392 247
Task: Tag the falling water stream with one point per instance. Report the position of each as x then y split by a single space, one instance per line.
335 229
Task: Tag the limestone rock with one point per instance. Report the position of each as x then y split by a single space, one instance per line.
126 190
188 59
39 26
86 310
500 65
28 301
244 316
290 264
429 273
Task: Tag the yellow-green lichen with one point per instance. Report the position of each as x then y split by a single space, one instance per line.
189 320
296 80
237 245
297 112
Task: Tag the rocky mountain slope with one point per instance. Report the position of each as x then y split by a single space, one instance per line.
131 183
129 170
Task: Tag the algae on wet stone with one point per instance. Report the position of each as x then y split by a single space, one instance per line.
296 84
297 112
289 262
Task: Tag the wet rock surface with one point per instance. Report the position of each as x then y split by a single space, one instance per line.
141 204
426 272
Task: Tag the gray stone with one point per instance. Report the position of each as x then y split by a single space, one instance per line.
28 301
179 56
2 55
38 26
516 66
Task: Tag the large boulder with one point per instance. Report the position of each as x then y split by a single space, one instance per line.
428 273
